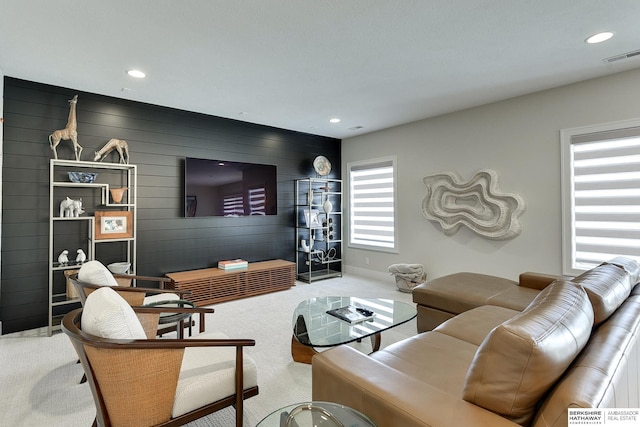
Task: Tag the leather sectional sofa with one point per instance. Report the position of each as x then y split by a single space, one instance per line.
505 354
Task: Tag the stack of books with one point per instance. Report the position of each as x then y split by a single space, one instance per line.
232 264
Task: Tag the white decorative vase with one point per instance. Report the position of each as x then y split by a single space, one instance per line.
305 247
327 206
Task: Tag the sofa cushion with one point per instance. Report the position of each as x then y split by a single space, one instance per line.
459 292
436 359
95 273
106 314
473 326
607 286
515 298
521 359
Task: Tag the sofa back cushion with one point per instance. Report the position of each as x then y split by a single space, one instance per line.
607 286
630 266
605 374
520 360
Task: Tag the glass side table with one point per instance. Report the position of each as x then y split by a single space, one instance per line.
316 414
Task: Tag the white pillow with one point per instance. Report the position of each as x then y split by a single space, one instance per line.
106 314
94 273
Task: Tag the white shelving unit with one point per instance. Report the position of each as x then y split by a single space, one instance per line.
79 232
321 224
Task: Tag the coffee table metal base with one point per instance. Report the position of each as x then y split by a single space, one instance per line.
303 353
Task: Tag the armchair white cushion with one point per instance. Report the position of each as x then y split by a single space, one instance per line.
96 273
106 314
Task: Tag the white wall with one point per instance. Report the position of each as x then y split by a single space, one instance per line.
519 138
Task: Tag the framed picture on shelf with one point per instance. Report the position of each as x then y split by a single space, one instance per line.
114 225
311 218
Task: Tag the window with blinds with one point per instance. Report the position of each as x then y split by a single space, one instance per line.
601 196
372 202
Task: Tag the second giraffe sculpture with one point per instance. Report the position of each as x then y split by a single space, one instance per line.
68 133
120 145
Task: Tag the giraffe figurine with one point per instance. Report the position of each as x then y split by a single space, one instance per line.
68 133
120 145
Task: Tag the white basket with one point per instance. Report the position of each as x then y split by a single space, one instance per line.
406 285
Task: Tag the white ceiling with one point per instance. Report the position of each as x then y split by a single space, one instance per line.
295 64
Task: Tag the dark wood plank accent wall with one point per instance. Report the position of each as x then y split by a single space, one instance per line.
159 139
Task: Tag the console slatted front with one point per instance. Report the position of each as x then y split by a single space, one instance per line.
212 285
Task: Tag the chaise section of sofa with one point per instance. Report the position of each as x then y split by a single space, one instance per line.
445 297
498 366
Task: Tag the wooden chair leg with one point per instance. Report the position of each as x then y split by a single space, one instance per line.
84 376
180 329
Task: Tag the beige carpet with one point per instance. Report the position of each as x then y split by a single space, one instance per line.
39 375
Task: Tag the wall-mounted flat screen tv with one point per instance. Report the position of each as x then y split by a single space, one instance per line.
231 189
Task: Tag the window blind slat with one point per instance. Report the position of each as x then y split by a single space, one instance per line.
620 156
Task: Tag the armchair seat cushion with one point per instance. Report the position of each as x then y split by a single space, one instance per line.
160 297
207 374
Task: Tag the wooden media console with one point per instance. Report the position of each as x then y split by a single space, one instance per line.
213 285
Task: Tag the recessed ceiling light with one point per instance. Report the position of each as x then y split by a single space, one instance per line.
137 74
334 120
599 38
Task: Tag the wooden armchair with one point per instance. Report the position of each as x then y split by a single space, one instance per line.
138 380
98 276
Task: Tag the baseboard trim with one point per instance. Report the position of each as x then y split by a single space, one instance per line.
37 332
370 274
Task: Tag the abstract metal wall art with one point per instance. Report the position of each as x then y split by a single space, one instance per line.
477 204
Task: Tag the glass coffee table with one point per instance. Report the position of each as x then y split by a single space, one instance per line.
314 327
316 414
